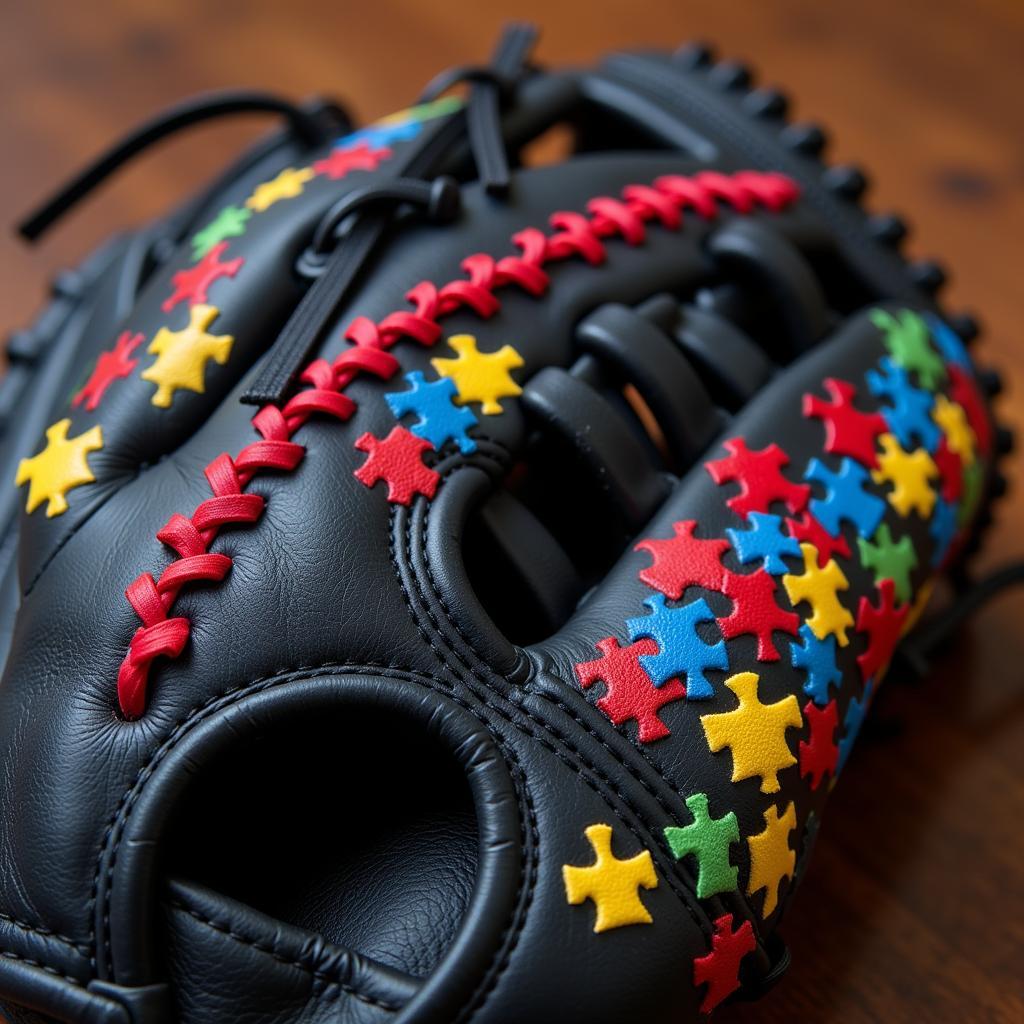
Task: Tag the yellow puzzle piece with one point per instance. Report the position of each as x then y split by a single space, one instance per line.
754 732
611 883
61 465
287 185
952 419
910 474
183 355
771 859
819 588
480 376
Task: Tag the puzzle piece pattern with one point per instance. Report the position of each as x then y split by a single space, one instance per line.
882 624
229 223
764 542
807 530
611 884
772 860
819 753
708 840
889 559
760 476
438 419
720 969
681 651
756 612
62 465
630 694
479 376
289 184
182 356
755 733
342 160
910 474
820 589
856 711
683 561
909 415
110 366
848 431
907 339
958 434
398 460
847 499
818 659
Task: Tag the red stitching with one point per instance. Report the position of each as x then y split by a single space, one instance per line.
574 234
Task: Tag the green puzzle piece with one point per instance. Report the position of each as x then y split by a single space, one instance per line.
708 839
890 560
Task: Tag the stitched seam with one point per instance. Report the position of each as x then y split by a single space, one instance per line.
9 955
574 235
45 933
314 972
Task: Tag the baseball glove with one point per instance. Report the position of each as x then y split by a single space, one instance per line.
450 573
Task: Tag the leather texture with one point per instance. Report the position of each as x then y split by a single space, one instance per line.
352 796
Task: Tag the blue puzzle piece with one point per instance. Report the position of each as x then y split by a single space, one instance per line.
943 528
681 650
948 341
440 420
765 541
818 659
846 498
855 713
910 415
378 136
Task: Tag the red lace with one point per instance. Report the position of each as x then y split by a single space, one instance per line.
574 234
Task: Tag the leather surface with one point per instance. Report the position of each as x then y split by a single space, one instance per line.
409 782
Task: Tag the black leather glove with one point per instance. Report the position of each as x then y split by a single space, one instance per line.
447 589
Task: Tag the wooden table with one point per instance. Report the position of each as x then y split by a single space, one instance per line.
914 907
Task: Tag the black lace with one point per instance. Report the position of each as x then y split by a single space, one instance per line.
313 126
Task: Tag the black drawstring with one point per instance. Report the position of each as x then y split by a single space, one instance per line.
489 87
311 129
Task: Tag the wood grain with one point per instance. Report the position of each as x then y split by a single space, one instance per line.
914 906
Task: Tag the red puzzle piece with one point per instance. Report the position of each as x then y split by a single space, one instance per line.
191 285
848 431
397 459
951 470
755 611
630 693
808 530
110 366
683 561
964 391
720 969
759 474
819 753
361 157
883 626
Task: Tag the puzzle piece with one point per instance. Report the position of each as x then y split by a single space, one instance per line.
182 356
951 471
909 416
943 530
439 420
765 541
948 341
682 651
819 588
398 460
192 284
229 223
683 561
818 659
973 485
848 431
60 466
110 366
807 530
720 969
480 376
883 626
856 711
819 754
342 160
771 859
906 337
759 474
957 431
629 694
910 474
890 560
708 840
403 125
846 498
756 612
611 883
754 732
964 391
287 185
